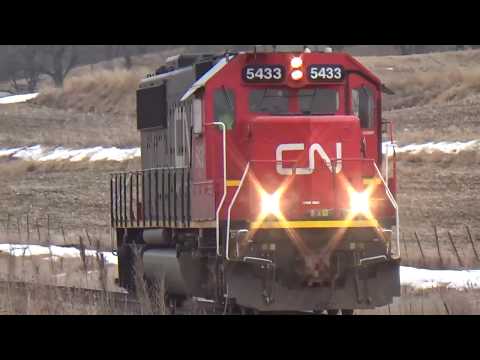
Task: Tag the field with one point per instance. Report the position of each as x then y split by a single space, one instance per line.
437 99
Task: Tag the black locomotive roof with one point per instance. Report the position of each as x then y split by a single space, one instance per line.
179 73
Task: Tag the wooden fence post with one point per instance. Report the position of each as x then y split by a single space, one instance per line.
438 246
405 246
420 247
19 230
455 249
28 229
471 242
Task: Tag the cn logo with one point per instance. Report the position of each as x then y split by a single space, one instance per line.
311 158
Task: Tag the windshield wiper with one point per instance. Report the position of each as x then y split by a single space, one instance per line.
311 102
227 98
263 98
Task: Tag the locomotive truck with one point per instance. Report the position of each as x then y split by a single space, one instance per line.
263 185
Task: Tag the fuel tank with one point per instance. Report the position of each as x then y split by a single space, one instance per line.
183 274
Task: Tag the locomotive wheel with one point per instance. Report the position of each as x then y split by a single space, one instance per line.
127 272
235 309
340 312
247 311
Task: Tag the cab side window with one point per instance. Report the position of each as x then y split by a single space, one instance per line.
224 107
362 106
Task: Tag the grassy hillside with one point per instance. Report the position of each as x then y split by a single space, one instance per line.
428 79
436 100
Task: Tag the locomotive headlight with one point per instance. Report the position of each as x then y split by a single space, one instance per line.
296 62
297 75
270 204
359 203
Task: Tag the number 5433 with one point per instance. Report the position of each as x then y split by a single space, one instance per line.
325 72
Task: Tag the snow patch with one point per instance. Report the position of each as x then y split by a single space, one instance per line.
420 279
428 279
444 147
41 153
99 153
56 251
17 98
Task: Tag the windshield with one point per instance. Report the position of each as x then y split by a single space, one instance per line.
278 101
323 101
270 101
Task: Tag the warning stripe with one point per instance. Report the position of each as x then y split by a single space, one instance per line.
233 183
314 224
375 181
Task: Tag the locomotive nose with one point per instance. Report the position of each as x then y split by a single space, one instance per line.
303 165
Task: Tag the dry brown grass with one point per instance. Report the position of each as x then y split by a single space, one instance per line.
439 301
439 191
17 168
83 272
411 251
44 274
106 87
102 91
430 81
421 124
433 79
28 124
438 158
92 273
75 195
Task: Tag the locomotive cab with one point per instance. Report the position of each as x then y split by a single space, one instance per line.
264 183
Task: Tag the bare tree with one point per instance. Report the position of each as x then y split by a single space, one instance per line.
142 49
110 54
338 48
412 49
13 66
23 62
126 53
58 60
32 66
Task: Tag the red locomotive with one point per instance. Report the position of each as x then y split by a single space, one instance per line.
264 186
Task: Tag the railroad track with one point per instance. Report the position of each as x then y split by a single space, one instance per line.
116 302
109 302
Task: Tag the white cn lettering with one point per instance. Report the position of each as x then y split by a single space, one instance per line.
311 158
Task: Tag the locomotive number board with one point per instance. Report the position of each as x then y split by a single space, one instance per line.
263 73
326 73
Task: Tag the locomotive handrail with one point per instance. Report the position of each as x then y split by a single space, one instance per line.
135 197
220 205
395 206
227 246
150 169
390 197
